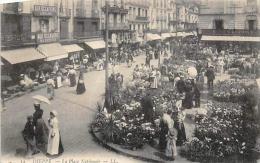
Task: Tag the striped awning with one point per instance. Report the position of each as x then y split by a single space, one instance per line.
52 51
230 38
21 55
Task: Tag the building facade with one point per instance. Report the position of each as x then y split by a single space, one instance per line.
229 17
86 19
117 24
46 21
158 15
137 16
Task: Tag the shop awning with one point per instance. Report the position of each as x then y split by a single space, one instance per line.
100 44
230 38
166 35
21 55
152 37
53 51
72 48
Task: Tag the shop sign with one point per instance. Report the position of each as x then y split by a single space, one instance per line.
47 37
40 10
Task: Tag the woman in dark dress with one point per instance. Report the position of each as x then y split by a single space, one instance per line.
80 86
188 100
72 77
179 125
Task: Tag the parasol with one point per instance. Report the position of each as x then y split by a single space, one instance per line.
42 99
192 72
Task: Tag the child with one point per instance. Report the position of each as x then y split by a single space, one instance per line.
171 151
29 137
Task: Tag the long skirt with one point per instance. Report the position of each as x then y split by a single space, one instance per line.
162 137
171 150
154 82
181 137
72 78
187 102
55 146
41 132
80 87
50 91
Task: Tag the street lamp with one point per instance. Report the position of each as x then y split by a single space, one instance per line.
105 9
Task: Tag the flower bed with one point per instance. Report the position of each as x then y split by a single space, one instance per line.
125 125
223 133
229 91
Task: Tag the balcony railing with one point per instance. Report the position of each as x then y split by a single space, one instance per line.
92 34
231 32
116 9
16 38
65 12
142 18
121 26
161 18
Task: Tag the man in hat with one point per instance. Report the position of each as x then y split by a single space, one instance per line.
210 74
38 112
148 107
180 84
29 135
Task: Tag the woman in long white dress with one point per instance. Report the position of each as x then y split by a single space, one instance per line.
54 141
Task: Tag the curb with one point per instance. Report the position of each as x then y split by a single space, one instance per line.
24 93
105 145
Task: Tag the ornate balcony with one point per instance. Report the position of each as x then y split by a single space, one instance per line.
231 32
115 9
118 26
142 19
65 13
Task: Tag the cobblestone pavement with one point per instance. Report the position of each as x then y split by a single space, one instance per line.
76 112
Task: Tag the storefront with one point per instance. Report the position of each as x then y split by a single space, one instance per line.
75 53
153 39
21 61
96 48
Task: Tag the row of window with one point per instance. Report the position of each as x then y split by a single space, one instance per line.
250 24
140 12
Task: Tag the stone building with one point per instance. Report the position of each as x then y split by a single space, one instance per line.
224 20
138 17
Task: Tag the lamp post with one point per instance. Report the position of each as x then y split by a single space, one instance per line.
105 9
